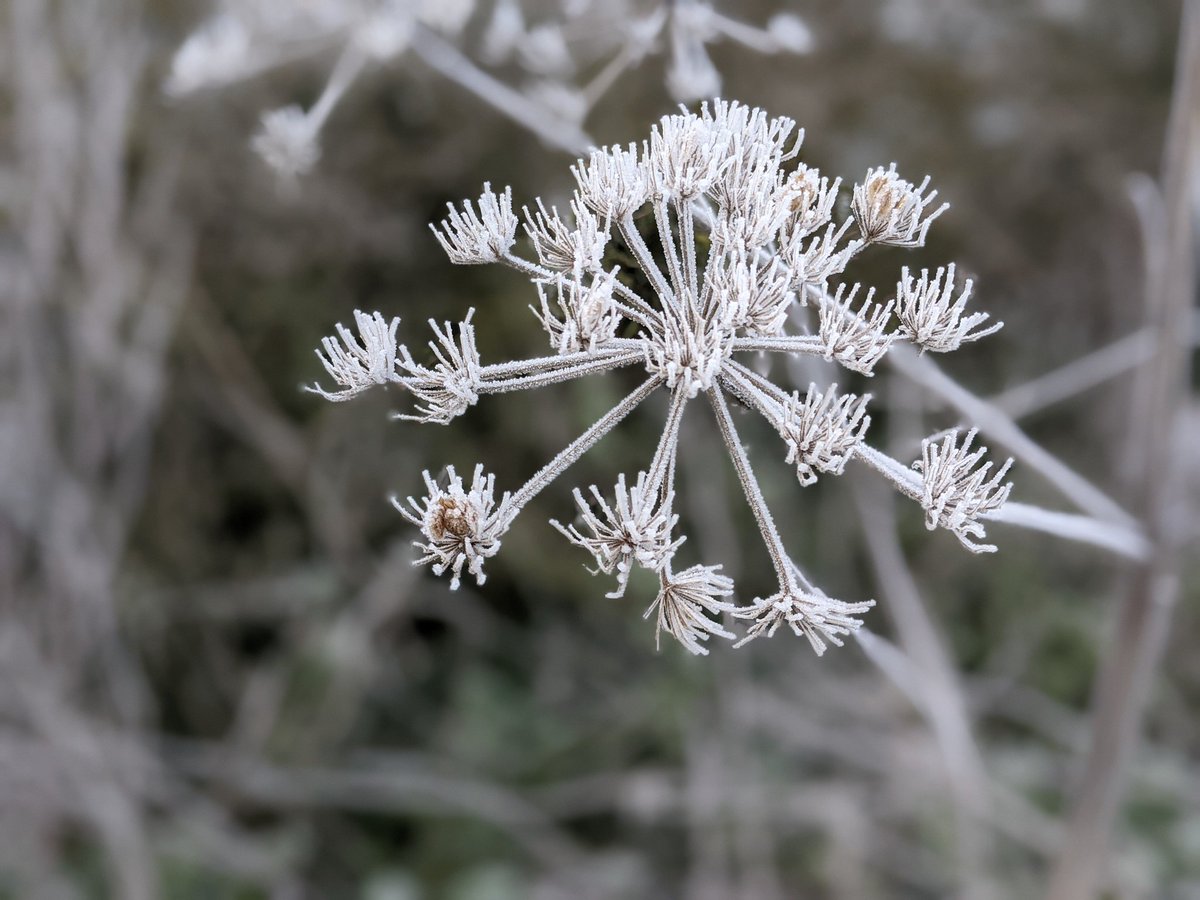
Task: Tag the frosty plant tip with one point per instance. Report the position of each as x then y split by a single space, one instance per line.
712 305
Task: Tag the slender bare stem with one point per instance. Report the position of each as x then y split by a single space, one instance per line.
801 344
499 371
662 219
347 68
663 465
542 379
633 238
687 237
579 446
443 57
754 496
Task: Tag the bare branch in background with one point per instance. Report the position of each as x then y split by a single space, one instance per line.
1139 629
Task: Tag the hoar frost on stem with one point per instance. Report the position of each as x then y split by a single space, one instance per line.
706 305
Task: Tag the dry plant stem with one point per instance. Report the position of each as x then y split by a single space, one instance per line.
634 306
579 446
800 344
662 220
442 56
662 469
595 89
758 503
348 67
541 379
501 371
738 379
1141 622
687 225
645 259
1118 539
1076 376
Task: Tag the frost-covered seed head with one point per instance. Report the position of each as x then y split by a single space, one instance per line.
686 604
544 51
791 33
635 529
564 248
473 238
823 430
458 524
731 237
890 210
612 181
957 490
447 390
386 31
219 51
689 351
810 198
359 363
759 295
287 142
752 133
814 616
691 74
683 157
931 317
856 339
824 256
587 316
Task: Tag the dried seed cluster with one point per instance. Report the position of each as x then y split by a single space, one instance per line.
772 248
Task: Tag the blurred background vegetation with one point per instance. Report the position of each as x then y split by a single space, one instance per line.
252 694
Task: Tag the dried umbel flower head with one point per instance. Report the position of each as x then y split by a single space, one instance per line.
822 431
287 141
475 238
771 248
461 526
931 317
635 529
890 210
957 490
683 603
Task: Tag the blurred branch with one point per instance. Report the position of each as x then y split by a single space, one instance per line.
444 58
997 425
1140 627
1076 376
1084 373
